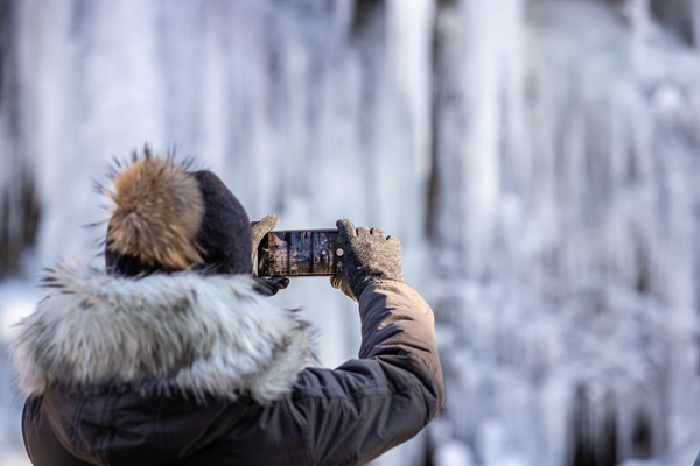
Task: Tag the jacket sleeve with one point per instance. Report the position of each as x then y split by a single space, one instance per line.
365 407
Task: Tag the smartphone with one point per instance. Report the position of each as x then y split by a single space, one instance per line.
300 253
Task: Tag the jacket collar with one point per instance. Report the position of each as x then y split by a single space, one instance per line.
205 335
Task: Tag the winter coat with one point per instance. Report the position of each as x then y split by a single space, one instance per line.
188 369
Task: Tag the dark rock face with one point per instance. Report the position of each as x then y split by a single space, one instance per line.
19 207
678 16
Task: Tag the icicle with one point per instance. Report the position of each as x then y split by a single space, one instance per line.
563 205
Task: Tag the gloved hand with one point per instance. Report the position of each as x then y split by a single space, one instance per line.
367 256
268 286
262 227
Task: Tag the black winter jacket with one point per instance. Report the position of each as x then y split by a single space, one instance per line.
189 369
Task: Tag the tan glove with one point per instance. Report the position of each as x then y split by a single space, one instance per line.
368 256
268 286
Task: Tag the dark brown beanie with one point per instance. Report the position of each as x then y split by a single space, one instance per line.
168 218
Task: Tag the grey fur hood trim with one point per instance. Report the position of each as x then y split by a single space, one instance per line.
205 335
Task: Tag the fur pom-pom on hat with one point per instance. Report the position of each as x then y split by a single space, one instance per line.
158 211
164 216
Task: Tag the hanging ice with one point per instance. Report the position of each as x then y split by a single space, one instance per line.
550 147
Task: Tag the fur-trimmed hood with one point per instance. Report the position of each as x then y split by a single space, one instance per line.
207 335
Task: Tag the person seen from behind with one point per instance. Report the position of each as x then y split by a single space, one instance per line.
173 354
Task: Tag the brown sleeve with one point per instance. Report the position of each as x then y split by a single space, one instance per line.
367 406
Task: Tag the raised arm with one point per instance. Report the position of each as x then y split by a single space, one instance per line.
369 405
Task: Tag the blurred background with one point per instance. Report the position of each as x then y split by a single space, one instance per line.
538 160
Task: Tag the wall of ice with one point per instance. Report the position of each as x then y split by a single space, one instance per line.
572 150
538 160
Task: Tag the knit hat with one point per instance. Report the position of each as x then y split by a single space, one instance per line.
167 217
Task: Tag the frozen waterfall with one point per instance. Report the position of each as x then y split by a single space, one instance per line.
538 160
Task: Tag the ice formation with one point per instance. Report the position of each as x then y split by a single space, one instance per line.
538 160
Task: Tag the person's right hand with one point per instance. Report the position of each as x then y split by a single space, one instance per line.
368 256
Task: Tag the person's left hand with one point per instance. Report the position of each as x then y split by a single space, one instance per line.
368 256
268 286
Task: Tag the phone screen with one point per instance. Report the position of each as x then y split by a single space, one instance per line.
300 253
